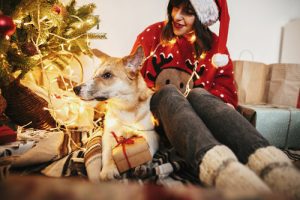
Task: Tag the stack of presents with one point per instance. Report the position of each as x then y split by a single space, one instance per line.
269 97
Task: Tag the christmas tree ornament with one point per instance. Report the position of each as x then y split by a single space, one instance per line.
29 49
57 9
7 26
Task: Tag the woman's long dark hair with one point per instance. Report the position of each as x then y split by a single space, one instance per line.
203 34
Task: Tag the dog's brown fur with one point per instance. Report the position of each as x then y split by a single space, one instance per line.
119 82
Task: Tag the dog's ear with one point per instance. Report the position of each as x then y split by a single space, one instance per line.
134 61
99 54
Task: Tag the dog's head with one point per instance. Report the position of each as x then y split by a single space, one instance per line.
115 77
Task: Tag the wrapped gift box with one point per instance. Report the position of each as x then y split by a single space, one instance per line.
130 153
280 125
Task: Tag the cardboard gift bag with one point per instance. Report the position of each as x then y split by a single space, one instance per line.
284 84
131 152
251 78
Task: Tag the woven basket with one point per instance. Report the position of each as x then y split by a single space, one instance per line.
2 104
25 107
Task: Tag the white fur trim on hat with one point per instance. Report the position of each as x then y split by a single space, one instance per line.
206 10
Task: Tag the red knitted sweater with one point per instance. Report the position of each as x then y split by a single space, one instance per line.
180 55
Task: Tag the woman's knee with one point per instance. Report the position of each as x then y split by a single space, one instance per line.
164 93
197 92
168 89
163 96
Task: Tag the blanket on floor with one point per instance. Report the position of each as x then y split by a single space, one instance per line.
78 153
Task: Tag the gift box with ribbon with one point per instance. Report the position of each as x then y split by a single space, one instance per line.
130 152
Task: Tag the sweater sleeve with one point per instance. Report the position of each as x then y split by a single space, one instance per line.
224 85
137 43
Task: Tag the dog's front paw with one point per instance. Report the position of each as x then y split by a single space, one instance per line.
109 172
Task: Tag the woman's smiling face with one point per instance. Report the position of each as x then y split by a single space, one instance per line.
183 17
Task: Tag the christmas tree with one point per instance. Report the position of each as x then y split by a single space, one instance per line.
32 31
44 36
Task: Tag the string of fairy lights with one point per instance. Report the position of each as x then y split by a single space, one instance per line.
68 114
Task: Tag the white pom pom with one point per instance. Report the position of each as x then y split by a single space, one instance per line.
220 60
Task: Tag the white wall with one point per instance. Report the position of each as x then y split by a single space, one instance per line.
123 20
255 27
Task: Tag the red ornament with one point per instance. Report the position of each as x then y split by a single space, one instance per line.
56 9
7 25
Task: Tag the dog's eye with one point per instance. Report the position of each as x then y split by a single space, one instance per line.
106 75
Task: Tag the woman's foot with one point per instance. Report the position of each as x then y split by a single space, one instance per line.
277 170
221 169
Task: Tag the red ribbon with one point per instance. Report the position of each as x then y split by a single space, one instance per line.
123 141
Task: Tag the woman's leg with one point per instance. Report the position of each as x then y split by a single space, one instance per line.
226 124
182 126
233 130
192 140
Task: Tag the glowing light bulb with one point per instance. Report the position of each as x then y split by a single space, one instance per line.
173 41
42 19
112 122
154 121
81 109
193 38
203 55
18 21
71 71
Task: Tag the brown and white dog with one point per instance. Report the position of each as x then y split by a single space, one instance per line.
119 82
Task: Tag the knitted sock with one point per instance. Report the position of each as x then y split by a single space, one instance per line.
276 169
221 169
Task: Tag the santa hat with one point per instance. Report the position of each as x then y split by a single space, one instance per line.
209 12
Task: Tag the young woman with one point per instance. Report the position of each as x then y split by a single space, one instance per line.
203 126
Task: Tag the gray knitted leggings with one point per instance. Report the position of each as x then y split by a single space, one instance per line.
195 124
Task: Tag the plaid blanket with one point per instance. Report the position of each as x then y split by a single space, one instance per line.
78 153
64 154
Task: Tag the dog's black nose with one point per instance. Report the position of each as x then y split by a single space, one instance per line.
77 90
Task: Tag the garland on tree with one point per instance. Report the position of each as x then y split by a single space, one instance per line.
35 31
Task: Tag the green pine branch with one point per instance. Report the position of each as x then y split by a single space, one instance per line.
46 30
